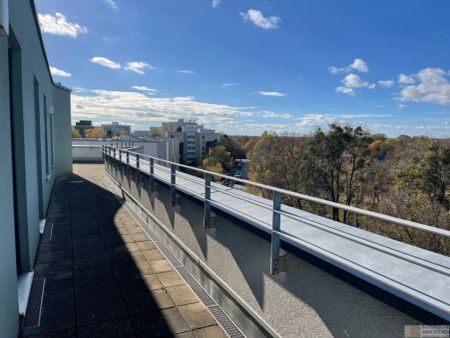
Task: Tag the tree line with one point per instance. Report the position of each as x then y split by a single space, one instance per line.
406 177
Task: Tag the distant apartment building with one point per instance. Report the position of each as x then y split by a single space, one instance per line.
89 149
164 149
192 138
82 126
115 129
35 150
140 133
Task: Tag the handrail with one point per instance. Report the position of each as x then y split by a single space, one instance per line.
276 208
372 214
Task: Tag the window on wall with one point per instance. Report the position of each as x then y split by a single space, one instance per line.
49 142
52 151
47 163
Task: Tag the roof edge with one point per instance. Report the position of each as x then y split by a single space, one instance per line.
41 40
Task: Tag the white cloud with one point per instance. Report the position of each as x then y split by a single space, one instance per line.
406 79
137 66
186 71
432 86
318 120
335 70
58 72
357 64
58 25
354 116
386 83
140 108
260 20
360 65
105 62
215 3
315 120
345 90
274 94
111 3
149 91
228 84
271 114
354 81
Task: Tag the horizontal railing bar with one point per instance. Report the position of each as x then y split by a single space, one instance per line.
380 247
329 254
372 214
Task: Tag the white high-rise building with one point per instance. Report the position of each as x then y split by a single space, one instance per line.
193 139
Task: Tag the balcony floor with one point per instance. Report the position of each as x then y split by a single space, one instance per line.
104 277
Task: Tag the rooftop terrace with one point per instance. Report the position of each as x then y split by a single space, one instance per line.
100 275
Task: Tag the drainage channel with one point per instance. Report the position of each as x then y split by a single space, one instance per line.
227 324
34 308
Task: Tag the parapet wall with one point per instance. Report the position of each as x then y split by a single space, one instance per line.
305 301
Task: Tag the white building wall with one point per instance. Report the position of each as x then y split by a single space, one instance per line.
32 197
9 325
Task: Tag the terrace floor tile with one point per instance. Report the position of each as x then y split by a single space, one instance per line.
104 277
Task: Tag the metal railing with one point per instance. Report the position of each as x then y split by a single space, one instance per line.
276 207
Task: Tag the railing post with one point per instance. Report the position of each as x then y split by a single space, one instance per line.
114 150
275 243
138 172
128 158
207 204
120 155
152 173
173 181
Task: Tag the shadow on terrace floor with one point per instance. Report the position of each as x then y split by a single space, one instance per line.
103 276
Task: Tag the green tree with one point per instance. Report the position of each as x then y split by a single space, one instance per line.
430 173
233 147
332 165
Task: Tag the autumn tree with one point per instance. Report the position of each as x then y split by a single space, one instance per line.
218 160
274 161
75 133
95 133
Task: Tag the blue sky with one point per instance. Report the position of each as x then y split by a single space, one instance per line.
243 67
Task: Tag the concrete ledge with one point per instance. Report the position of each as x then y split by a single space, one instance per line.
416 275
303 301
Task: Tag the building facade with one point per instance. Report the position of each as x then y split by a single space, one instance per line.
193 139
115 129
82 126
89 150
36 147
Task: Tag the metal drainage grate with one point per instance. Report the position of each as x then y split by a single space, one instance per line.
199 291
169 255
48 230
229 327
34 307
226 323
